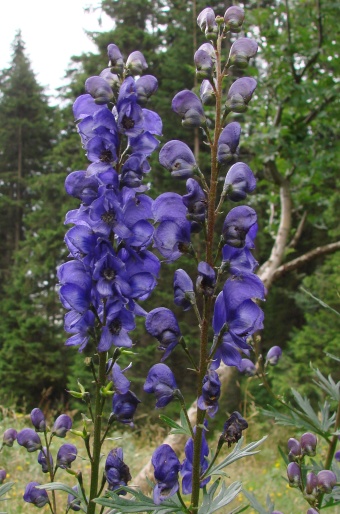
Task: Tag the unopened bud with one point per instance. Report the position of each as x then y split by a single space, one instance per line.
326 480
294 474
294 448
308 444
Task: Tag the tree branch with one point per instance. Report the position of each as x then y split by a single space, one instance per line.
291 55
298 232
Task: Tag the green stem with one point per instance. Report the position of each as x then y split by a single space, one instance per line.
182 502
50 472
100 382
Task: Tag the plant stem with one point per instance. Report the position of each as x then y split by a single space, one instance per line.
100 382
50 472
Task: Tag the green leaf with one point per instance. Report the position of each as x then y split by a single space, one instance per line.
254 503
225 495
4 489
329 386
59 486
176 428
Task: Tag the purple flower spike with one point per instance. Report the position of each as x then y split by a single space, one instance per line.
162 324
161 381
326 480
177 157
187 105
167 467
294 474
124 407
116 59
227 150
240 94
239 182
247 367
29 439
10 435
273 355
3 475
38 420
183 290
241 51
136 63
146 86
62 425
294 449
206 279
311 483
237 224
211 391
73 502
117 472
67 453
207 93
233 18
207 22
43 461
99 89
308 444
233 427
38 497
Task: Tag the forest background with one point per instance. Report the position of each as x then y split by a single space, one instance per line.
290 141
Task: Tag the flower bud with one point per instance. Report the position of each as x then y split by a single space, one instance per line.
273 355
183 289
206 279
247 367
117 473
227 145
294 474
239 182
177 157
308 444
124 407
67 453
38 497
73 502
240 94
311 484
326 480
233 18
162 383
145 87
29 439
136 63
61 425
294 449
43 461
195 201
2 475
233 427
99 89
189 107
241 51
10 435
205 59
38 420
207 93
116 62
237 224
207 22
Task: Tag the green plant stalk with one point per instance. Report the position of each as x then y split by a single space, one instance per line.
53 507
97 442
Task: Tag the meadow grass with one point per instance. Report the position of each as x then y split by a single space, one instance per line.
262 474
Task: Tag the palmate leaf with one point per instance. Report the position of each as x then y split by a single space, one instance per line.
237 453
224 496
175 427
256 505
140 503
328 385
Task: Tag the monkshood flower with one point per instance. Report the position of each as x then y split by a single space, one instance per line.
238 260
186 470
229 353
240 94
133 170
196 202
76 282
81 325
119 322
146 86
111 78
29 439
205 59
62 425
233 428
73 502
99 89
3 475
136 63
177 157
308 444
117 472
124 407
161 323
161 381
273 356
294 449
247 367
237 224
187 105
294 474
183 290
239 182
326 480
211 391
120 383
241 51
167 467
116 59
337 456
207 93
38 420
67 453
10 435
233 18
311 484
43 461
38 497
227 145
207 23
206 279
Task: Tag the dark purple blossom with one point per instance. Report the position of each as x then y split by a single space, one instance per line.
240 94
204 60
311 483
186 470
177 157
206 279
62 425
161 323
294 474
161 381
247 367
3 475
233 428
167 467
116 62
38 497
42 460
227 149
239 182
207 23
326 480
124 407
211 391
196 202
117 472
67 453
241 51
119 322
294 449
130 118
120 383
38 420
146 86
187 105
183 290
73 502
81 325
133 170
29 439
273 355
10 435
233 18
136 63
308 444
237 224
99 89
228 352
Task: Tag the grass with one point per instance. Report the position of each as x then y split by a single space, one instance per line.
262 474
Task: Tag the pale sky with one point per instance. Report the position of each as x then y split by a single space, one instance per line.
53 31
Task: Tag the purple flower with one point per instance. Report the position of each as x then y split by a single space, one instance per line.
233 428
36 496
38 420
241 51
337 456
136 63
186 470
99 89
124 407
240 94
10 435
273 355
294 474
62 425
3 475
43 461
29 439
167 467
312 511
294 449
187 105
227 149
196 202
120 383
67 453
308 444
116 60
162 383
233 18
238 260
177 157
247 367
326 480
119 322
161 323
117 472
207 23
211 391
237 224
206 279
73 502
204 61
239 182
183 290
146 86
311 484
207 93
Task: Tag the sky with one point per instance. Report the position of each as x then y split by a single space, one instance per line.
53 31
